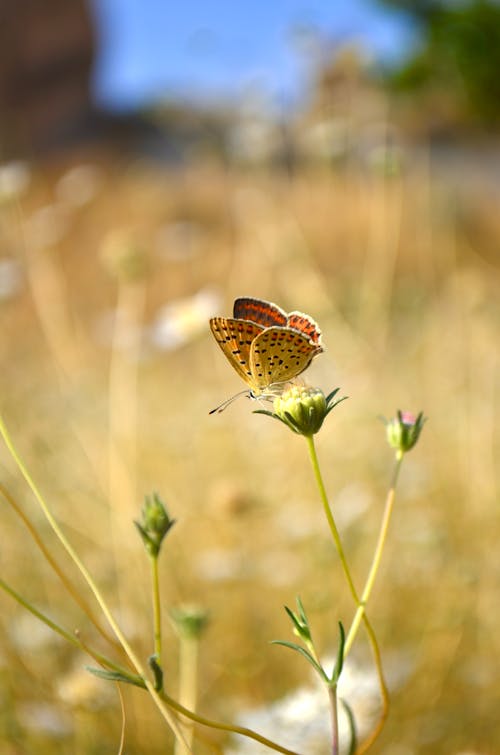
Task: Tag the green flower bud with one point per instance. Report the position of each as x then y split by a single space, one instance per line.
302 408
154 525
189 620
404 430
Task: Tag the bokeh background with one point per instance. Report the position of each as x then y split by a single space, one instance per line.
157 162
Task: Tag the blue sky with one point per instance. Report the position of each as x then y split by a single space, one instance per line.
201 49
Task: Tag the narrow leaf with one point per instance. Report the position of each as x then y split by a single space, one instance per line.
116 676
331 395
294 619
302 612
352 728
340 655
304 653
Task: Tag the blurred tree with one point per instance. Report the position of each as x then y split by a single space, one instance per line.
459 54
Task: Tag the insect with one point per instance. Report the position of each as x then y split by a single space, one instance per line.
265 345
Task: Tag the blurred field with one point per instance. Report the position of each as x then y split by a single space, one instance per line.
402 274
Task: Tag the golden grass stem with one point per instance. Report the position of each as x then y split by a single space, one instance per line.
92 585
360 613
377 557
156 608
188 678
242 730
360 607
79 600
332 694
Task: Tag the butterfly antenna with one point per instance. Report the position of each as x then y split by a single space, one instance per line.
225 404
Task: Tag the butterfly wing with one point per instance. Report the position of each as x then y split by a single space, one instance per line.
262 312
278 355
305 325
235 338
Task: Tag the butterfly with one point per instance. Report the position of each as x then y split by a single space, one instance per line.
265 345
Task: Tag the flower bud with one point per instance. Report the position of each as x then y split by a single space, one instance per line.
302 408
189 621
404 430
154 525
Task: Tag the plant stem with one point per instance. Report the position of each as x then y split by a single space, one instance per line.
107 663
92 585
328 513
156 607
360 613
70 637
360 607
188 677
332 693
377 557
242 730
55 566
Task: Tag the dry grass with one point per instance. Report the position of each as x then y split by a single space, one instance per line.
402 275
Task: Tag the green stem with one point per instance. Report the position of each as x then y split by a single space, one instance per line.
377 557
156 607
55 566
107 663
328 513
242 730
332 693
92 585
360 607
73 638
188 677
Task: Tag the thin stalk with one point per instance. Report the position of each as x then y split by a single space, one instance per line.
107 663
332 693
329 516
92 585
360 613
332 696
188 678
161 700
377 557
156 608
360 607
70 637
242 730
57 569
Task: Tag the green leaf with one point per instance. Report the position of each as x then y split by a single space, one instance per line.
294 619
270 414
352 728
340 655
302 612
304 653
157 672
265 411
331 395
300 622
117 676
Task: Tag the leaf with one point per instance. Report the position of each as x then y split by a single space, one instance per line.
302 612
117 676
352 727
265 411
294 619
157 672
331 395
304 653
340 655
270 414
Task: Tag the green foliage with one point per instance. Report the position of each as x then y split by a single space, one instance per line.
459 54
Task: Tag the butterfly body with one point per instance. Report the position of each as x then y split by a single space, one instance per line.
265 345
